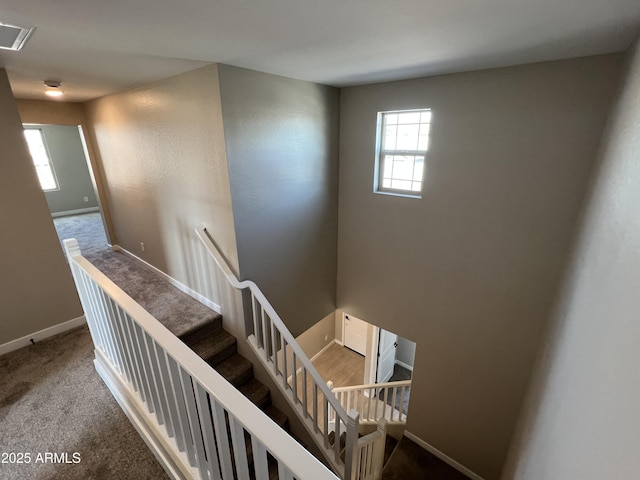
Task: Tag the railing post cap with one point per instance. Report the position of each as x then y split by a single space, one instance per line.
71 247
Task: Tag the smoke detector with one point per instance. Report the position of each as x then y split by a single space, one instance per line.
13 37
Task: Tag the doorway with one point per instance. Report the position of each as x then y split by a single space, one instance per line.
62 165
388 356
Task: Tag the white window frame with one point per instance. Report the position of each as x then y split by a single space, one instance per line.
47 157
382 151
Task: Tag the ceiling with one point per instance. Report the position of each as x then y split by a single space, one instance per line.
99 47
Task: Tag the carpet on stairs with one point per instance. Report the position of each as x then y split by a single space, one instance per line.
410 460
195 324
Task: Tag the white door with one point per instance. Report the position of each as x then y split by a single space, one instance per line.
355 334
386 355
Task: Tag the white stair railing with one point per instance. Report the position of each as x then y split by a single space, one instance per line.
306 391
197 423
376 401
368 458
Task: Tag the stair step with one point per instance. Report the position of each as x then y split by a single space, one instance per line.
390 445
409 460
236 369
257 392
198 327
278 416
343 439
195 331
216 347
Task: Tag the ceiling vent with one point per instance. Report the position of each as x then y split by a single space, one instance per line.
13 37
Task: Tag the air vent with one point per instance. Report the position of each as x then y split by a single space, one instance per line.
13 37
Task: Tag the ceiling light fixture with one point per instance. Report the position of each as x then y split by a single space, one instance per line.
53 88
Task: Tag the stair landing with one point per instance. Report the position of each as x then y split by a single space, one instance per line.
410 460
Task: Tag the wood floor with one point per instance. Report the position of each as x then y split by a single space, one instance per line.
337 364
341 365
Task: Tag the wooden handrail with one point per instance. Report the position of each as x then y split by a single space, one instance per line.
400 383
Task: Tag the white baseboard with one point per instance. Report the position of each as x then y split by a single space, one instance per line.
179 285
66 213
322 350
339 342
315 357
174 464
448 460
41 335
405 365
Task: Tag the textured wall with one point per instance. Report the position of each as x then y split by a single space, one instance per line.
69 113
469 272
70 166
583 419
281 137
162 151
36 288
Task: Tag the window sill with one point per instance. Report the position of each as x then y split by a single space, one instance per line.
398 194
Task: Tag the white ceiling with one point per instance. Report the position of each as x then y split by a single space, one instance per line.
99 47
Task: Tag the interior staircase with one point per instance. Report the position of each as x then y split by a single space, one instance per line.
201 329
196 325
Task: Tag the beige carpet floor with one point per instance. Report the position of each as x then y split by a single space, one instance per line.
52 400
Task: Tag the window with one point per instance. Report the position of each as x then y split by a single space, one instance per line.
41 159
403 141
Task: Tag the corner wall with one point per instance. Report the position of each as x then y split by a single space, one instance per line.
71 114
36 288
470 271
162 151
583 415
282 140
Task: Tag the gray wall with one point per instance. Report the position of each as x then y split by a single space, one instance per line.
36 288
161 148
45 112
469 271
583 419
70 165
281 137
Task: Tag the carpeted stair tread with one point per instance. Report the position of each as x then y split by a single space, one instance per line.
343 439
390 445
409 460
176 310
215 347
197 326
257 392
236 369
278 416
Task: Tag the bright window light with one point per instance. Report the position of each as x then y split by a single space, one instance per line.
41 159
403 141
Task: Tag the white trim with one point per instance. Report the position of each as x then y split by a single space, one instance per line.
448 460
405 365
150 432
339 342
322 350
41 335
66 213
316 356
179 285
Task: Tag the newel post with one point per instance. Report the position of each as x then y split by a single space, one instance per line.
378 453
351 450
71 248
